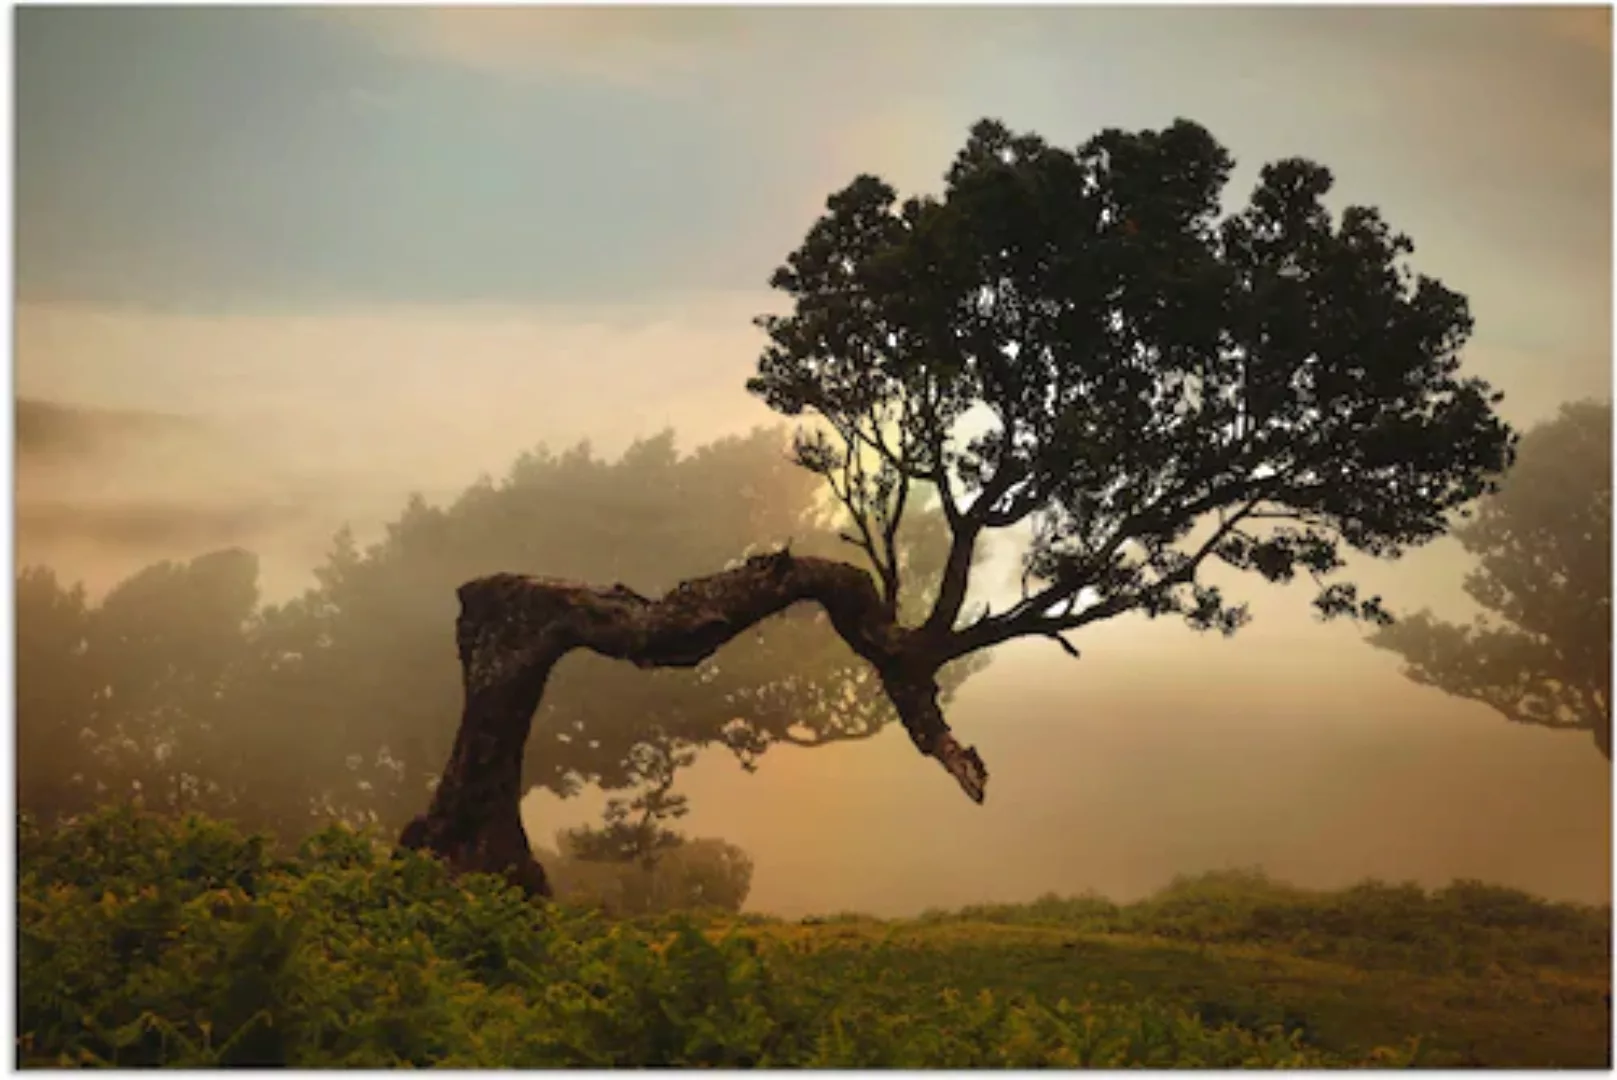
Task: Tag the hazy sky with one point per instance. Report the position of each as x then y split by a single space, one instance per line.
348 254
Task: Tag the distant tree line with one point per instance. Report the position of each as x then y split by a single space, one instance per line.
181 690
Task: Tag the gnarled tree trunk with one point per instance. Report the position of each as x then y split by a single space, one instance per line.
512 629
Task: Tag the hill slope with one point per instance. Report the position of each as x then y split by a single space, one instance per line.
143 941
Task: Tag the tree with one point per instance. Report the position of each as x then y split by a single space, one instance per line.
633 838
1541 653
128 697
54 695
687 874
164 646
633 831
706 872
1075 340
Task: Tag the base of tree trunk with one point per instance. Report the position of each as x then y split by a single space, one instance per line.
481 843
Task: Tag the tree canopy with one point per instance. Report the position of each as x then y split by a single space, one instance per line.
1540 653
1079 342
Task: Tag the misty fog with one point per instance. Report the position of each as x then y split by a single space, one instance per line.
1291 746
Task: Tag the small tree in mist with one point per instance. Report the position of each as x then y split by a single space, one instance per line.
1541 652
633 863
633 830
687 874
1077 343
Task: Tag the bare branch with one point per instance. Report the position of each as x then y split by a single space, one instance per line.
966 527
890 539
1029 617
1066 646
852 494
932 429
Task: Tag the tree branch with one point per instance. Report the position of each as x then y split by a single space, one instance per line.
889 516
1028 618
956 576
895 517
513 629
966 527
1066 646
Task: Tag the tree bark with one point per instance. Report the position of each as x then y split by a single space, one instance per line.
513 629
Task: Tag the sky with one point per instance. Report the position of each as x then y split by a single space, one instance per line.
276 268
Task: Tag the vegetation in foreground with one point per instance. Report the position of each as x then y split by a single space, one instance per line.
150 941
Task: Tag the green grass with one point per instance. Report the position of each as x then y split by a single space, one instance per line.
150 942
1540 1018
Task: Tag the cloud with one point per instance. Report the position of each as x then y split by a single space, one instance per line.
1588 27
257 160
280 161
422 395
54 431
321 421
149 524
101 492
639 47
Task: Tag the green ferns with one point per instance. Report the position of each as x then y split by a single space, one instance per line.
153 942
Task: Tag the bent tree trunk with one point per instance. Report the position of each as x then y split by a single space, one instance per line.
513 629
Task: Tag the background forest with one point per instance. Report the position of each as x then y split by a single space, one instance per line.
179 690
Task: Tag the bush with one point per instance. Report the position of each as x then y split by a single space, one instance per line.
702 874
149 942
1467 925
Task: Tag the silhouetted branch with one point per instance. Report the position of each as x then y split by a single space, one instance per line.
1066 646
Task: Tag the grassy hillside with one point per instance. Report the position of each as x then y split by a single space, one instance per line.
181 943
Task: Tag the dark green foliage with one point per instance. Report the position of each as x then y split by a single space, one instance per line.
354 956
1083 340
1541 653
